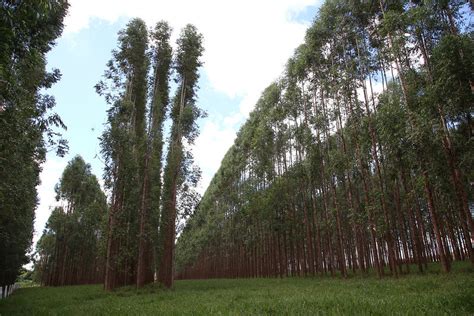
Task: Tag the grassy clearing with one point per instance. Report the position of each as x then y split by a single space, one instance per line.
429 294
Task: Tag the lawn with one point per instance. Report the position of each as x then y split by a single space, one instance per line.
429 294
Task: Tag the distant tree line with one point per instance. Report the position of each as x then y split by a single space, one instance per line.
28 30
360 157
71 249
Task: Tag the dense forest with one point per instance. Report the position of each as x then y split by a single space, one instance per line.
360 157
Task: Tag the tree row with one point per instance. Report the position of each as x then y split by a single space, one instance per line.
28 125
359 158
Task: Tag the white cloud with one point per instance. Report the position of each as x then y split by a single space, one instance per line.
217 135
247 44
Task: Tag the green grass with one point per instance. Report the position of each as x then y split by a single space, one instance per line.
429 294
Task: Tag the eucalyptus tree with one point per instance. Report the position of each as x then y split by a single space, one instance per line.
428 27
452 91
178 171
336 174
28 31
144 207
72 248
152 184
123 147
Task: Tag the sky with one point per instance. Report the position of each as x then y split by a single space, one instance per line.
247 44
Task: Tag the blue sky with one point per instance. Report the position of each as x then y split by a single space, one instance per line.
246 46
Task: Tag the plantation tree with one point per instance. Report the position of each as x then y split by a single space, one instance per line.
142 208
28 30
123 147
358 158
72 248
151 191
178 172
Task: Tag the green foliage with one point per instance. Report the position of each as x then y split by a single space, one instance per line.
28 30
162 56
72 247
180 176
124 144
133 149
356 157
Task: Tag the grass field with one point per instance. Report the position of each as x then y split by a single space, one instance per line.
429 294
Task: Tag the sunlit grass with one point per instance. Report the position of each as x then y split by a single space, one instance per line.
432 293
